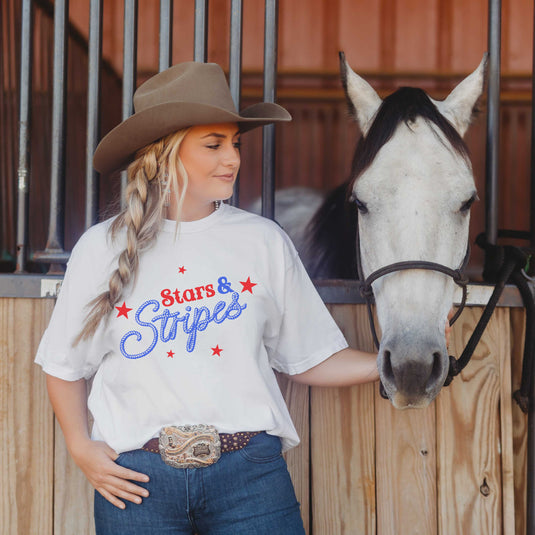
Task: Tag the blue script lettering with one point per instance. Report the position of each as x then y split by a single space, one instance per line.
138 335
193 322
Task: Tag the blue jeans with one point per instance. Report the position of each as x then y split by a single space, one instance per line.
246 492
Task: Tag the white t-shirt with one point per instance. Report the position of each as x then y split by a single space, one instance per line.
213 310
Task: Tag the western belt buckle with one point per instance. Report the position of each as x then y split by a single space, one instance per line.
189 446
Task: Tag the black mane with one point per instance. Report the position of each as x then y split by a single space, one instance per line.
403 106
330 249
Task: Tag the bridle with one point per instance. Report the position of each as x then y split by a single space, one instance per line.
513 261
366 289
458 276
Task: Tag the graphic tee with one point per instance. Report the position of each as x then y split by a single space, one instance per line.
216 306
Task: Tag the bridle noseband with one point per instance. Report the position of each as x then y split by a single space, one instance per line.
366 289
512 269
458 276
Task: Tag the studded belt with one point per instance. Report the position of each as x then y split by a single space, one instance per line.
195 446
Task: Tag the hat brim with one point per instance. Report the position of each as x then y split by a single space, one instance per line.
117 148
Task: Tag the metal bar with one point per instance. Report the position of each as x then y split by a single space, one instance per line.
236 26
493 122
532 204
200 48
166 34
26 50
530 484
129 70
54 246
333 291
93 112
270 82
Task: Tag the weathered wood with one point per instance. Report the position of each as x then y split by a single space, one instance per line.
520 421
468 434
298 458
73 494
506 425
406 470
26 421
343 438
369 468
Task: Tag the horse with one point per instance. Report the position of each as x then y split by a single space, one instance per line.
409 195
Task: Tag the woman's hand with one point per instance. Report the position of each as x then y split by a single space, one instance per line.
95 459
97 462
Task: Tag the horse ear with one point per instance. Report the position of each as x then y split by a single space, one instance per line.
461 103
362 99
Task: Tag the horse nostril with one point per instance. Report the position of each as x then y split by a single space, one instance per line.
387 367
436 370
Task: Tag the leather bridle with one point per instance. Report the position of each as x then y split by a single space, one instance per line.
366 289
458 276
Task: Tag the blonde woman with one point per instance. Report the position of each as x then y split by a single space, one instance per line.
179 309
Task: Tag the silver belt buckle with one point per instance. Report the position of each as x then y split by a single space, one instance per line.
189 446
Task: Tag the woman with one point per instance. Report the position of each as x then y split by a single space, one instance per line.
191 304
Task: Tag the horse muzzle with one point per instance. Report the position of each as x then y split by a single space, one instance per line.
412 372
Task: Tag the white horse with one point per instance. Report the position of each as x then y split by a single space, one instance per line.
412 186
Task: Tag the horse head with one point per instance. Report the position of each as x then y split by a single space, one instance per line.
413 187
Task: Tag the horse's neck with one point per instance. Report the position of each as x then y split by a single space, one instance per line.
330 248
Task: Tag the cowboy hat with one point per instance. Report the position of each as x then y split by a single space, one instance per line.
187 94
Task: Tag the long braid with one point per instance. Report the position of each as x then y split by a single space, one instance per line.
142 218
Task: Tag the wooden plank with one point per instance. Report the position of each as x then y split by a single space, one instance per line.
26 421
468 433
506 425
406 470
342 444
520 421
73 494
298 458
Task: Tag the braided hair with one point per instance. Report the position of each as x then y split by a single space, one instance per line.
155 168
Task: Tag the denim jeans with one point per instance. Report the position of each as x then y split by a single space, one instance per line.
246 492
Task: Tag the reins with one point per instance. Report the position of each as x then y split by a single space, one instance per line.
512 261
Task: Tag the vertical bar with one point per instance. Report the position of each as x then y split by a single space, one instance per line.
93 111
532 204
166 34
129 70
200 49
493 122
270 81
54 246
236 25
24 133
530 484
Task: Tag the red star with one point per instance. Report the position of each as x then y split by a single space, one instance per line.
248 285
182 270
170 354
123 310
216 351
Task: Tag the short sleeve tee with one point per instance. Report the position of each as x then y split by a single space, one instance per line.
216 306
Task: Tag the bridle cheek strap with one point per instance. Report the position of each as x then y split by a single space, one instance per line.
457 275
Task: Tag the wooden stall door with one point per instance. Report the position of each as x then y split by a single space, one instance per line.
362 467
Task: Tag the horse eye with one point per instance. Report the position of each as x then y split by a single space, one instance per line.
467 204
362 208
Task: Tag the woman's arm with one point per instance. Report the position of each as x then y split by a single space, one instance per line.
344 368
95 459
348 367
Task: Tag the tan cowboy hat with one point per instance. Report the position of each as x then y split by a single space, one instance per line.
184 95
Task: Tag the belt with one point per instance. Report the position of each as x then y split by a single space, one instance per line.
195 446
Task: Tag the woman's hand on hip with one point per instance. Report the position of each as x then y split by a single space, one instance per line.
97 461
